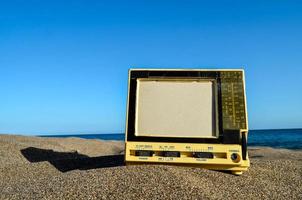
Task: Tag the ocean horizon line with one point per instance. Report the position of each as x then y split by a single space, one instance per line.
118 133
111 133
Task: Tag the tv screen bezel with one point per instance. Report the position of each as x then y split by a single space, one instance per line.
225 136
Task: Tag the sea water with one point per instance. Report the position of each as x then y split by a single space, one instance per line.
283 138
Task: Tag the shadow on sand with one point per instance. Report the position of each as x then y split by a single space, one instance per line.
67 161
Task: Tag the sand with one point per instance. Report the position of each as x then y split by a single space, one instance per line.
74 168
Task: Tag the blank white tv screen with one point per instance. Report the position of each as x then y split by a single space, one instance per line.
175 108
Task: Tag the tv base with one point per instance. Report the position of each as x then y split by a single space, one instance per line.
219 157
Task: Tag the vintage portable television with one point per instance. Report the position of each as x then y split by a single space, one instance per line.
192 117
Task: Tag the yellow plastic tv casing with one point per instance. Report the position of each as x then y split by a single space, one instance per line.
215 156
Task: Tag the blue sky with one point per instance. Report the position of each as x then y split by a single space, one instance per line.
64 64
